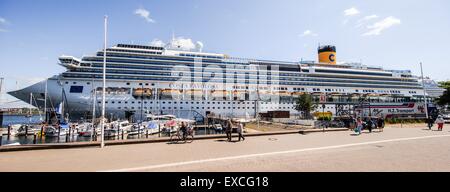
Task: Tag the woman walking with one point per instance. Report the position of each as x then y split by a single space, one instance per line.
241 131
440 122
359 125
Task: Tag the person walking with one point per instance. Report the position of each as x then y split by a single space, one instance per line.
241 131
183 129
370 124
229 129
430 122
380 123
359 125
440 122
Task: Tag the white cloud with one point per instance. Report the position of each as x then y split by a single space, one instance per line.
3 20
379 26
157 43
365 19
144 14
352 11
181 43
308 33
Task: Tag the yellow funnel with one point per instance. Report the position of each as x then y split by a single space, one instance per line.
327 54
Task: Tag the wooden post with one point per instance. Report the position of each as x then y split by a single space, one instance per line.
34 139
9 132
26 131
118 132
42 131
122 134
59 132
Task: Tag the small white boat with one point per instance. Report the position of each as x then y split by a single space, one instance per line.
112 132
22 130
51 131
137 129
85 130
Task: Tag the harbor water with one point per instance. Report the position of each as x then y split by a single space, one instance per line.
30 139
19 119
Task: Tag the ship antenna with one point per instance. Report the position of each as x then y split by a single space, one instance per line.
173 35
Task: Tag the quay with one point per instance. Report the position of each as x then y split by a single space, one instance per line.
389 150
149 140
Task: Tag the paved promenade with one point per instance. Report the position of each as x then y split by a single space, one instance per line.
395 149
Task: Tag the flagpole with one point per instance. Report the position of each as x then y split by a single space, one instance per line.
104 86
424 96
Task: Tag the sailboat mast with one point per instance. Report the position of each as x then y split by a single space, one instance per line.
104 86
45 101
1 84
93 107
31 104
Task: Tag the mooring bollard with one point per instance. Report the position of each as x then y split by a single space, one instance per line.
122 134
59 132
70 130
146 134
9 132
42 132
26 131
118 132
34 139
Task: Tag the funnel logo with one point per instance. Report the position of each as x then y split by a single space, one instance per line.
331 57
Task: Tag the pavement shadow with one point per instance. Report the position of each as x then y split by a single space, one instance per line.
354 134
224 140
176 143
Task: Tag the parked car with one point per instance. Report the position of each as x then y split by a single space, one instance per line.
446 118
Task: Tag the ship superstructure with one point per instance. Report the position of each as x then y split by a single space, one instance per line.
192 84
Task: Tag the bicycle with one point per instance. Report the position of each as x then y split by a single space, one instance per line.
175 138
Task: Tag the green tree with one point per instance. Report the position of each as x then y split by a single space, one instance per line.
445 98
304 103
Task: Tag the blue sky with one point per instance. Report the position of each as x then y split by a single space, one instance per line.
391 34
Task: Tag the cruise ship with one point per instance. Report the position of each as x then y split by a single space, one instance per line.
190 83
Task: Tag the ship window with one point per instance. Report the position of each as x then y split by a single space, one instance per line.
76 89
